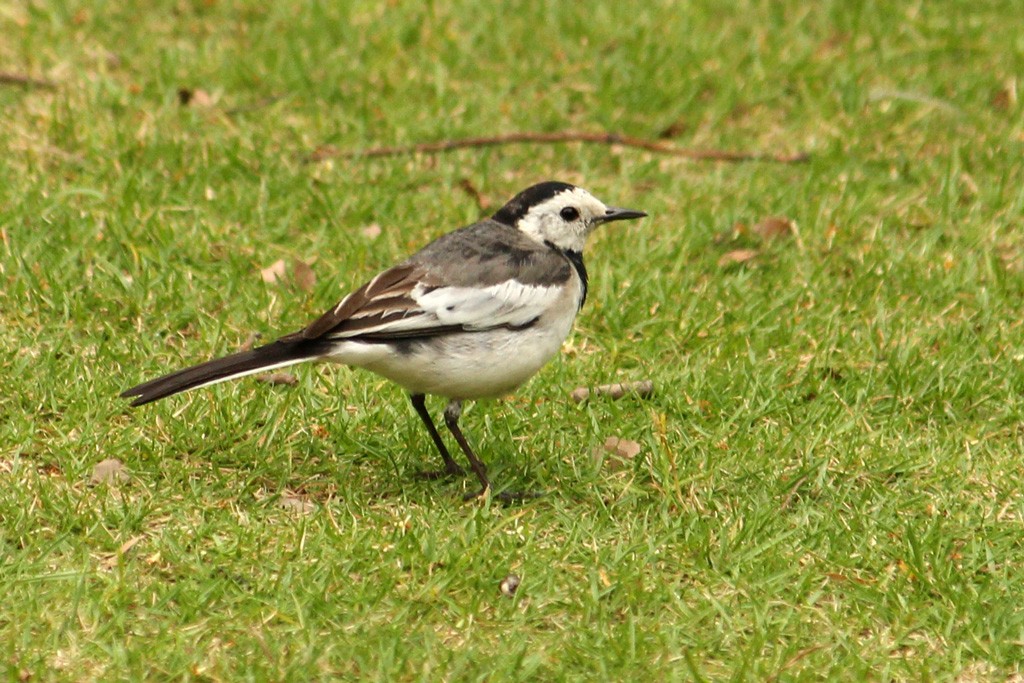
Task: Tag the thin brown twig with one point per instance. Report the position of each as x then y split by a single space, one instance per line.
11 78
560 137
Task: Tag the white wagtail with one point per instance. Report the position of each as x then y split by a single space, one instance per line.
473 314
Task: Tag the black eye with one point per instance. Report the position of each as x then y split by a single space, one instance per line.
569 214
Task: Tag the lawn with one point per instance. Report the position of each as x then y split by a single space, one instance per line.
829 479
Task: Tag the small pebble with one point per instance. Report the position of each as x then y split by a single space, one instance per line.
509 585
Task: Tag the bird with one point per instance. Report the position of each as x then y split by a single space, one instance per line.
472 315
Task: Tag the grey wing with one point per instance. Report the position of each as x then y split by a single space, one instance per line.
473 279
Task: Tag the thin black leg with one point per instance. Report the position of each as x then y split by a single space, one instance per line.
451 468
451 418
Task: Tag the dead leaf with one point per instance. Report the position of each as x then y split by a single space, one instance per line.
296 504
202 99
305 278
109 471
622 448
774 227
195 98
275 378
616 453
371 231
739 229
1005 98
642 388
111 560
250 341
673 130
737 256
274 272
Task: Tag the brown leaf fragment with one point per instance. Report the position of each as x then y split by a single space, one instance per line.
194 98
275 378
296 504
109 471
737 256
1005 98
774 227
642 388
622 448
673 130
305 278
201 98
615 453
250 341
739 229
836 576
274 272
111 560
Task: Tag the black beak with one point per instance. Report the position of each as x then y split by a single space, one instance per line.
616 214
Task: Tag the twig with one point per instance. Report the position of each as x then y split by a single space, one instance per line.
554 138
10 78
643 389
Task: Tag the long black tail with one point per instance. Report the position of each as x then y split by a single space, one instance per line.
275 355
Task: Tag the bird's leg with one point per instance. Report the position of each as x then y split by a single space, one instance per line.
451 468
451 418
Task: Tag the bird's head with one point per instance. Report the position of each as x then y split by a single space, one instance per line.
559 214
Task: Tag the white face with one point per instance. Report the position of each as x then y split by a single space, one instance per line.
565 220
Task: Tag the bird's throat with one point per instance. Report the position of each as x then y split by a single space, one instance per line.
576 259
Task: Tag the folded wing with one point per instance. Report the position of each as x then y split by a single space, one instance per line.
406 305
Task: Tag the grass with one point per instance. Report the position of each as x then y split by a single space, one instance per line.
829 483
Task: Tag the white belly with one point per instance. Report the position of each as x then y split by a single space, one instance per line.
463 365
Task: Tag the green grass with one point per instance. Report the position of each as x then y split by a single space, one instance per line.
830 477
